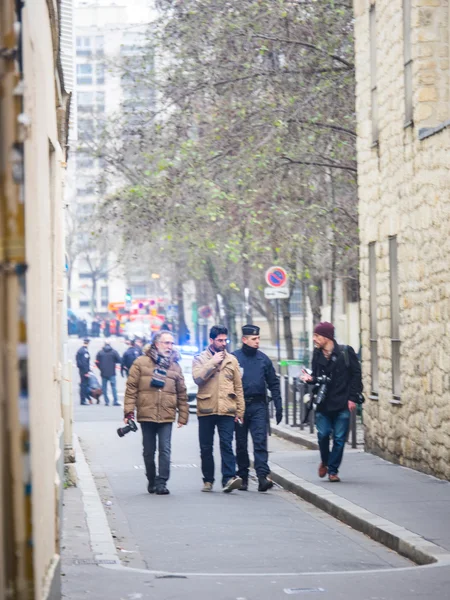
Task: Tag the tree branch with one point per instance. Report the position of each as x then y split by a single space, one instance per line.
320 164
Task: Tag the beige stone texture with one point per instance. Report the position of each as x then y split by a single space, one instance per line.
404 190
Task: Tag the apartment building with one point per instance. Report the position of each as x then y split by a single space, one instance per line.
107 35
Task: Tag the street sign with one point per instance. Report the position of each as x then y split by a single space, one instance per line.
205 312
276 277
276 293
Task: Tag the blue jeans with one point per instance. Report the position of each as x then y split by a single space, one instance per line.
337 424
225 427
255 421
84 389
150 431
112 380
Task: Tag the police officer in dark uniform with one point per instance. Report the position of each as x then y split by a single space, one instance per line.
130 355
83 364
258 374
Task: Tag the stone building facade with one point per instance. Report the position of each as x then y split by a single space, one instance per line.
403 115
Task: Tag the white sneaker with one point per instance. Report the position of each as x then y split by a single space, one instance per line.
232 484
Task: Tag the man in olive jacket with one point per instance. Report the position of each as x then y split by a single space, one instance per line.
220 403
156 389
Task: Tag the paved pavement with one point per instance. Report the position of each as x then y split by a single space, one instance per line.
120 542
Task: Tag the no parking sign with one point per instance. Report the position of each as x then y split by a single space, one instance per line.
276 277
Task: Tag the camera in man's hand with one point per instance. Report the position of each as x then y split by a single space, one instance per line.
321 384
131 426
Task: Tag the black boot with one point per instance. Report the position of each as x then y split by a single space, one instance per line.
244 485
151 489
264 484
161 490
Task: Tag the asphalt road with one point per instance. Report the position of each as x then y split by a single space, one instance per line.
243 546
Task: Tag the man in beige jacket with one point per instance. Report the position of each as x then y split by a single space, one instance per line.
220 403
156 389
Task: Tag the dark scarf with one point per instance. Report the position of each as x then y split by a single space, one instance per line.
162 364
249 351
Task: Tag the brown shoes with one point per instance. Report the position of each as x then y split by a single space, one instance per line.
323 470
333 477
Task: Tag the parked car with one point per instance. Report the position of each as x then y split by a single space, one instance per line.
187 355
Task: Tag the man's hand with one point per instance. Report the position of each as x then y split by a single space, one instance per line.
306 377
279 415
179 425
86 374
351 405
239 420
218 358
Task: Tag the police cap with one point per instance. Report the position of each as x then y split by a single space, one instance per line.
250 330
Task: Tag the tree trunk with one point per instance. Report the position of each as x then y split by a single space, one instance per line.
182 327
94 295
230 314
333 250
287 327
315 298
246 277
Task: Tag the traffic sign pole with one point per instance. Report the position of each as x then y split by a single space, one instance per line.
278 331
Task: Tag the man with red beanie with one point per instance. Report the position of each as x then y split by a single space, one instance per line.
336 367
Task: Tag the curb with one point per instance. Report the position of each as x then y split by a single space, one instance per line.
395 537
102 543
296 438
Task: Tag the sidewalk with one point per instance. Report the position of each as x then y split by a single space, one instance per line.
403 509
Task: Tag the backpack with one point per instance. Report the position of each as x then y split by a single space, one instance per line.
344 349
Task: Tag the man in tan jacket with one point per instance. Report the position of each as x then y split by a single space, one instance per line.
156 388
220 403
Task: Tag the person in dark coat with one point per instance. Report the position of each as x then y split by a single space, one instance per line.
130 355
258 374
83 363
106 361
343 389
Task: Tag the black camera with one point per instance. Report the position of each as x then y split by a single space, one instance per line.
124 430
321 382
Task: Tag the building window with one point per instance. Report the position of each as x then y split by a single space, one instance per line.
100 73
84 46
373 72
84 303
100 101
84 74
373 320
395 317
296 302
104 294
99 45
139 291
407 54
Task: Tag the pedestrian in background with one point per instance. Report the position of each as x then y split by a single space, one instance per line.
258 374
156 390
220 403
130 355
83 363
341 366
106 361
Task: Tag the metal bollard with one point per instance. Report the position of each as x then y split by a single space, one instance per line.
353 427
294 401
302 405
286 399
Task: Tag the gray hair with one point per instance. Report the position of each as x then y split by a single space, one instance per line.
158 336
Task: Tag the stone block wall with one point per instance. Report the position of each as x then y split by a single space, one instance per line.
404 191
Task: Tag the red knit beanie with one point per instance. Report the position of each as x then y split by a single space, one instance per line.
325 329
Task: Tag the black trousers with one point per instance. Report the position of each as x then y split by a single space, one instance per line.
255 421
